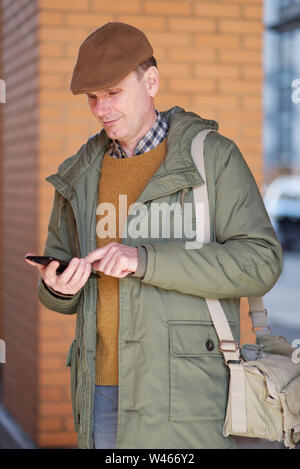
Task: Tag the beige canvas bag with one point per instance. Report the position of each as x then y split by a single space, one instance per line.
264 385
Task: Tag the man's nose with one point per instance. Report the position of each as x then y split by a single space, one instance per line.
102 107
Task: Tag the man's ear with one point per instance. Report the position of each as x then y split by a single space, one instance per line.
152 81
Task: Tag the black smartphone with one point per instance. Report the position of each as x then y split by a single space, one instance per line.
45 260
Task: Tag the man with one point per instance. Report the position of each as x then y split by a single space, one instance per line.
146 370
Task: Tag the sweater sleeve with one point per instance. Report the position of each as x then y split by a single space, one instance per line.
245 260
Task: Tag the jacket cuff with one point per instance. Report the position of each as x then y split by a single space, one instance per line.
142 263
54 302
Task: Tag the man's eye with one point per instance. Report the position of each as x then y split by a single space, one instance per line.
114 92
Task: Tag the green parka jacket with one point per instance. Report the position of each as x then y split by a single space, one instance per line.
172 387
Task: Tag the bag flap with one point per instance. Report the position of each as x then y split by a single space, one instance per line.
292 392
274 344
282 370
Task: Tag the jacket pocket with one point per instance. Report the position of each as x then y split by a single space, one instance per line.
73 362
198 374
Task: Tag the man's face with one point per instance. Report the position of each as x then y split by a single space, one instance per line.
125 109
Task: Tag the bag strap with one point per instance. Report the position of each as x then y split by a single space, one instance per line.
257 311
228 346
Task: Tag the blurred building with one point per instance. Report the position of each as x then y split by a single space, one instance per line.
210 60
282 87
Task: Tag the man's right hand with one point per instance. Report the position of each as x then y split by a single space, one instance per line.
68 282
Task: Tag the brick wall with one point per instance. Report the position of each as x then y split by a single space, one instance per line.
209 57
20 209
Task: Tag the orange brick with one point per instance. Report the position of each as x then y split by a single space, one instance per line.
217 71
91 20
68 423
252 147
60 97
252 11
54 409
60 377
247 336
168 100
240 87
56 64
50 424
63 35
47 346
217 102
192 24
190 85
252 72
174 70
51 393
239 56
71 50
188 54
240 26
169 8
167 39
242 116
241 1
251 103
253 42
66 5
52 363
50 18
51 50
251 131
217 40
145 23
57 439
50 80
214 9
117 6
231 131
201 48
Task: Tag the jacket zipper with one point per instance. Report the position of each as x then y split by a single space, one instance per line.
62 204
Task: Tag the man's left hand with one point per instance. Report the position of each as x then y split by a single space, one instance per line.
117 260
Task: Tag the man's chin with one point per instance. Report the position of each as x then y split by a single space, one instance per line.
112 133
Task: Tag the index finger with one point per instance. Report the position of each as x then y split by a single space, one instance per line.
97 254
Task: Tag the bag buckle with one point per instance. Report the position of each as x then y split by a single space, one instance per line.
231 349
265 311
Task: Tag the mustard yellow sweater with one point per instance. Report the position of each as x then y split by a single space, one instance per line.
118 176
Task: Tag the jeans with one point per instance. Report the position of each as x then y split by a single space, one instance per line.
105 417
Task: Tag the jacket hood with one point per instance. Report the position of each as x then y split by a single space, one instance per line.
183 127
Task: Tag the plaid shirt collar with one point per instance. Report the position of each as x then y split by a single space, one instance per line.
153 137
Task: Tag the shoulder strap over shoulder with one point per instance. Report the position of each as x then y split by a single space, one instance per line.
257 310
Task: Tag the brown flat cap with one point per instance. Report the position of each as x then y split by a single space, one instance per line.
107 55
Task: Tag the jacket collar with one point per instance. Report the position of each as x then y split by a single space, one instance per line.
176 172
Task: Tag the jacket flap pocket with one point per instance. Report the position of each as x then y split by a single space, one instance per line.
193 339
